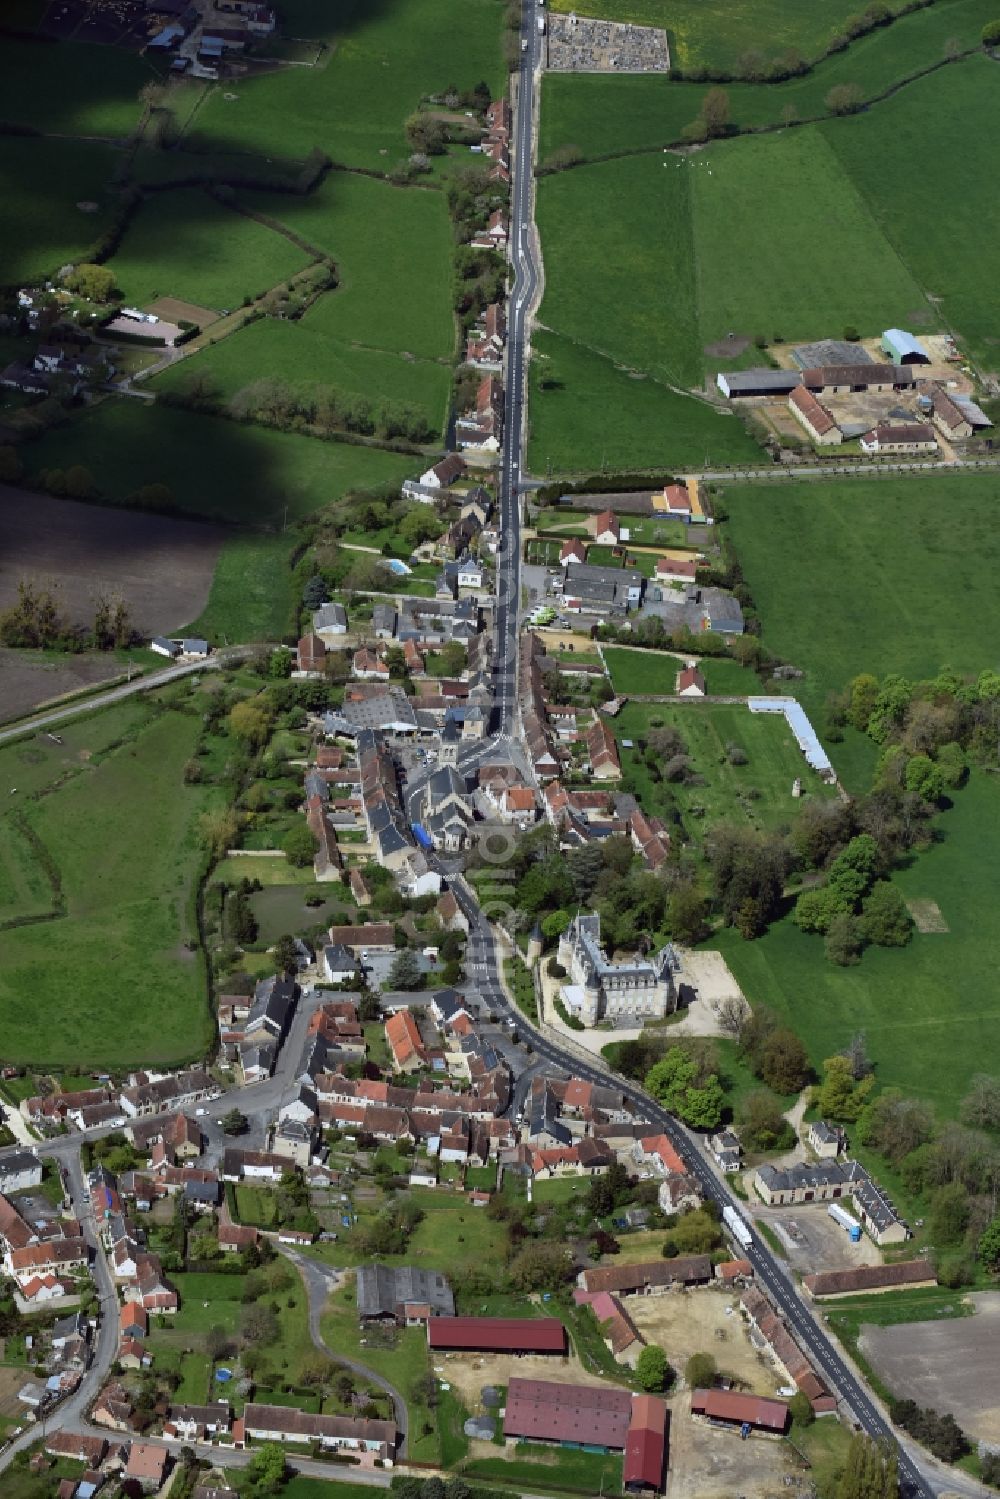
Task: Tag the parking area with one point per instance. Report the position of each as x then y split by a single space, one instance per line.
815 1241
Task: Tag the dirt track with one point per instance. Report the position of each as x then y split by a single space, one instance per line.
163 567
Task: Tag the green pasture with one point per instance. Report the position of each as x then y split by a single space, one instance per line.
661 272
901 157
251 593
589 415
112 981
217 469
640 671
814 227
309 360
44 181
71 88
392 247
710 33
354 106
185 244
758 793
872 575
929 1011
599 114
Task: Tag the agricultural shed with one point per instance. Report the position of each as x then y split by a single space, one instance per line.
741 1410
497 1334
903 348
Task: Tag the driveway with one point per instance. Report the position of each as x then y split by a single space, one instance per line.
320 1280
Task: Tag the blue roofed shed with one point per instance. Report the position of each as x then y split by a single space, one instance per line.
903 348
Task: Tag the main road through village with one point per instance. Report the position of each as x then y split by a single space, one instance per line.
919 1474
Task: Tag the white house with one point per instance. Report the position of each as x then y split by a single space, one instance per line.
470 573
20 1171
329 622
444 473
337 965
163 647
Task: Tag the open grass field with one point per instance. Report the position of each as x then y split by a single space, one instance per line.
589 414
392 246
185 244
640 671
306 358
758 793
251 593
354 107
866 575
661 274
603 113
535 1466
43 182
216 469
816 225
929 1011
112 980
948 249
70 88
633 671
712 33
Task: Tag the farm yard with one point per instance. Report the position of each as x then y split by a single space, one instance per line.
861 576
121 887
917 1042
632 301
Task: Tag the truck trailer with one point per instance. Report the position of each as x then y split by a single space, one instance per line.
842 1216
737 1227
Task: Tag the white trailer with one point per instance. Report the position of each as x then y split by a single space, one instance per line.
737 1227
843 1217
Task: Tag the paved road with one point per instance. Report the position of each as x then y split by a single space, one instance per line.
70 1413
103 699
918 1474
320 1280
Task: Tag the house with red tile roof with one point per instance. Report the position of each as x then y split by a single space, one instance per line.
690 682
405 1042
603 751
607 528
